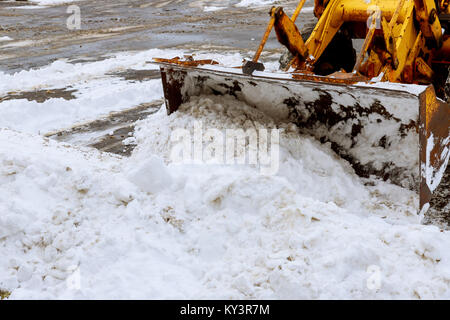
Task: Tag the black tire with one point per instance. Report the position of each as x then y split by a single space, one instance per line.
441 82
339 54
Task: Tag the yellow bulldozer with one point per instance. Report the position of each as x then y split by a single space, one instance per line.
385 107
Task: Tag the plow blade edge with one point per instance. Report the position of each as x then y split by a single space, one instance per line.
394 131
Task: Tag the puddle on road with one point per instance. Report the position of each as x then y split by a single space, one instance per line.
114 143
137 75
40 95
108 133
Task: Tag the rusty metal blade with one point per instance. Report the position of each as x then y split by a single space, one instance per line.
434 143
396 132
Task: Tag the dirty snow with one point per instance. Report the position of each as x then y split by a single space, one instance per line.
52 2
144 227
254 3
214 5
307 9
97 91
411 88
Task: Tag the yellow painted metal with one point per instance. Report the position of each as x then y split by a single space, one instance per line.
427 16
366 43
408 71
338 12
397 22
391 47
265 36
297 10
288 34
431 106
424 69
404 36
271 24
394 18
325 29
373 66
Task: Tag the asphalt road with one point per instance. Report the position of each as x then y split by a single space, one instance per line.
41 34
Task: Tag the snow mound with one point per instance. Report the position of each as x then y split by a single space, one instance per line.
255 3
151 176
312 168
213 233
77 223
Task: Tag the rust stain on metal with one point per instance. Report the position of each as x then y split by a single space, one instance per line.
337 77
435 124
188 63
172 90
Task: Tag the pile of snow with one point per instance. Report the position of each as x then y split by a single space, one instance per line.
212 8
77 223
81 224
319 174
150 175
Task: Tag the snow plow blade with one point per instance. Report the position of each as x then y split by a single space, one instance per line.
394 131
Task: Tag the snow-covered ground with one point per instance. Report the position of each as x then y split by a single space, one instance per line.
252 3
207 5
77 223
216 5
97 91
52 2
39 4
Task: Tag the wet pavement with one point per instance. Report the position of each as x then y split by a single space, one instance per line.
108 133
41 35
40 95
